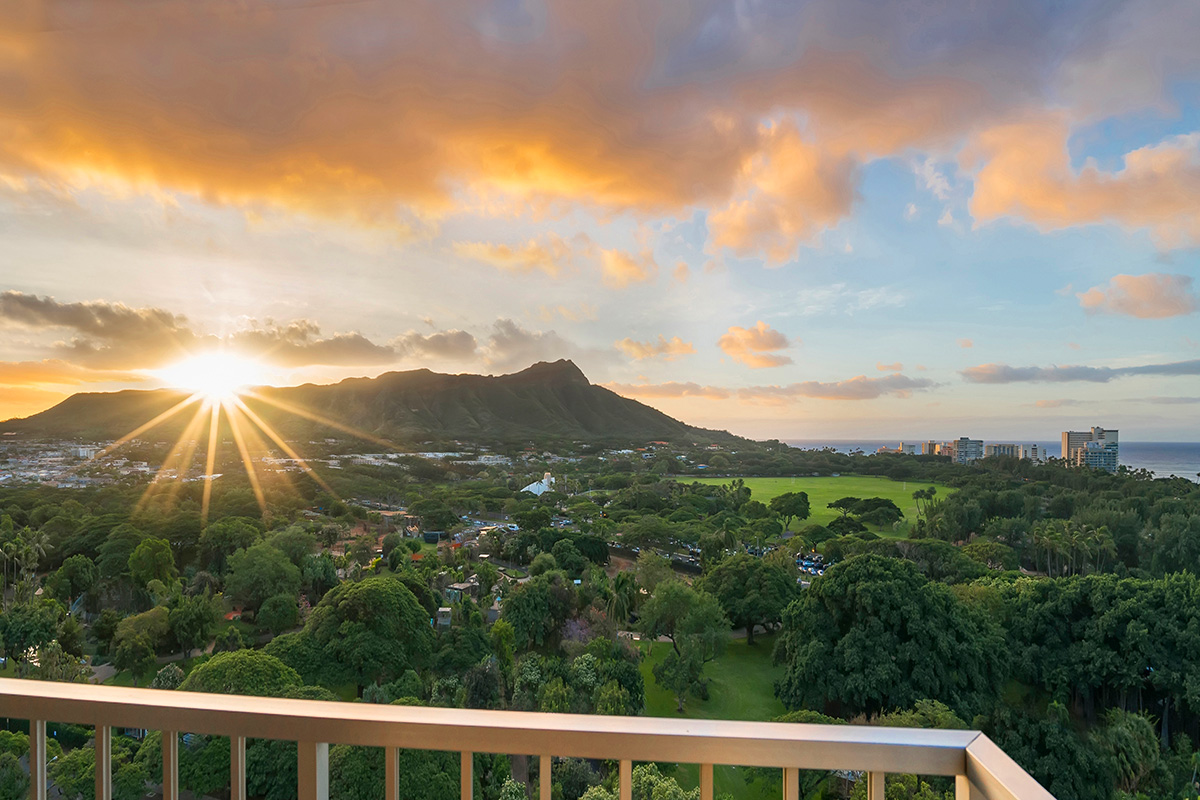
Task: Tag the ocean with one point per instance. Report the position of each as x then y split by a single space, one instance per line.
1162 458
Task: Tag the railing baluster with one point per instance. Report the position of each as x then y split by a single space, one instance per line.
37 759
102 750
962 787
791 783
313 764
626 780
544 786
391 773
466 776
875 786
706 782
237 768
170 759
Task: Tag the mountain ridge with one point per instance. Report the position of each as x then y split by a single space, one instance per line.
545 400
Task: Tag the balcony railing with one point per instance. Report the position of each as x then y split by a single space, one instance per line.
979 767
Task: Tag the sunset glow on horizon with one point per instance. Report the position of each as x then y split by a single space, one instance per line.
832 219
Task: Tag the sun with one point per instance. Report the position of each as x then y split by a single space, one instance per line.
216 377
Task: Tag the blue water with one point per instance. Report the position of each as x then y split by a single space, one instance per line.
1162 458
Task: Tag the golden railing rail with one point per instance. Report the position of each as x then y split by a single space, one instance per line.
980 768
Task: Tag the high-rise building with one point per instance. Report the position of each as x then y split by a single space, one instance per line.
1034 452
967 451
1001 449
1098 448
929 448
908 449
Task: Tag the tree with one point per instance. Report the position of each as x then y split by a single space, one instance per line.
192 620
261 572
14 783
790 505
295 543
834 635
538 608
225 537
152 560
679 673
533 520
113 562
278 614
251 672
56 665
363 550
366 632
105 628
542 563
169 677
651 570
134 654
845 505
26 628
79 574
686 617
752 591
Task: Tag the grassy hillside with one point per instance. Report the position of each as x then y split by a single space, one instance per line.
824 490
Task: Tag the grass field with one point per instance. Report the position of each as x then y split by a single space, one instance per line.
741 686
824 490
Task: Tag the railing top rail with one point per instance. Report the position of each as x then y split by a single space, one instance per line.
762 744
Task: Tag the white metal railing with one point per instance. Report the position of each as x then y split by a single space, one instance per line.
980 768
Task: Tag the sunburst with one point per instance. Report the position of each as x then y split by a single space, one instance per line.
216 384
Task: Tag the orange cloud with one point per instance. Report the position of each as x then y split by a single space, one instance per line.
664 348
857 388
59 373
889 367
548 256
1027 173
618 269
670 389
1151 296
753 346
965 343
787 193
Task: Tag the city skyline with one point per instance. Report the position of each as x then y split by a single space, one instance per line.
832 221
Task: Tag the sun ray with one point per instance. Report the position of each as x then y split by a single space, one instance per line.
255 443
312 416
138 431
240 440
175 457
210 461
284 446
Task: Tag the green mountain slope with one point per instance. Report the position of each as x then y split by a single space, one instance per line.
547 400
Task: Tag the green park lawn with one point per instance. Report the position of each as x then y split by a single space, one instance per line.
824 490
740 686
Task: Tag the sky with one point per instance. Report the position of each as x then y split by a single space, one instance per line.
830 219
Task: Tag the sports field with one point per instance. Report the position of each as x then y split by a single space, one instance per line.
741 686
824 490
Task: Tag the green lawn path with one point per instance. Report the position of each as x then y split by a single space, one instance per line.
824 490
741 686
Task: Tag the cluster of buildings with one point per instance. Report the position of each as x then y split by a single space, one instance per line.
1097 448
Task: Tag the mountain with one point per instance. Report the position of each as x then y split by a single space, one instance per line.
547 400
